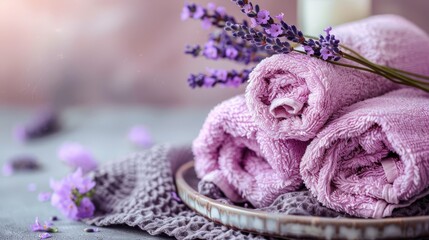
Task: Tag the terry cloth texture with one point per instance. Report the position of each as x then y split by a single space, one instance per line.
244 162
292 96
374 157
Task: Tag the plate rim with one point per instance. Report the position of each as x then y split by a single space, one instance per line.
184 188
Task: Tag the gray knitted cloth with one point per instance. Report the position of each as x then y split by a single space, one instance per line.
137 192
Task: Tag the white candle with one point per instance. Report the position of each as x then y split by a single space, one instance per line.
316 15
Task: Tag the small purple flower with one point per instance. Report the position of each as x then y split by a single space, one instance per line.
211 6
186 13
263 17
221 74
328 31
209 81
210 51
206 23
7 169
76 156
280 17
275 30
45 235
175 197
253 23
31 187
326 53
247 8
85 209
47 227
199 12
140 136
44 196
309 50
235 81
231 52
72 194
221 10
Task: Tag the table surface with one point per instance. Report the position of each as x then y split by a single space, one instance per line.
103 131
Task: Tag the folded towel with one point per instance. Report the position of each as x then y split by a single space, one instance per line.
374 157
245 163
293 95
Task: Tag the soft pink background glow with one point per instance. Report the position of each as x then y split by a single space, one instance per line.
118 52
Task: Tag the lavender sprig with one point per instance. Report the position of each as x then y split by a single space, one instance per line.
223 46
231 78
276 36
210 16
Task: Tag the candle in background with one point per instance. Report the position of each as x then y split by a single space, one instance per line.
316 15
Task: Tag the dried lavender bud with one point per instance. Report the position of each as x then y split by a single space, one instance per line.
210 16
222 77
44 123
210 190
20 163
89 230
54 218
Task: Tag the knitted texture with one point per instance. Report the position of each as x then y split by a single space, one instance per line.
292 96
137 192
374 157
245 163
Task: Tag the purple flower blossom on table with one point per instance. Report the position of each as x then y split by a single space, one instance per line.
262 17
85 209
77 156
275 30
45 235
44 196
72 195
47 227
140 136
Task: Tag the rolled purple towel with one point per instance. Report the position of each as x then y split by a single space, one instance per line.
292 96
374 157
245 163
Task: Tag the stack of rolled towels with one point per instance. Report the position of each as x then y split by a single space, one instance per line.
357 141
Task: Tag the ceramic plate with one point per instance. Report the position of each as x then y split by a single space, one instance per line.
282 225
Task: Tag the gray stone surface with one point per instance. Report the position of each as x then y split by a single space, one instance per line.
103 131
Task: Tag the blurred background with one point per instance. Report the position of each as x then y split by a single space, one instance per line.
130 52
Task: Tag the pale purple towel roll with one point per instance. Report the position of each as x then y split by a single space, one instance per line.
293 95
374 157
245 163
